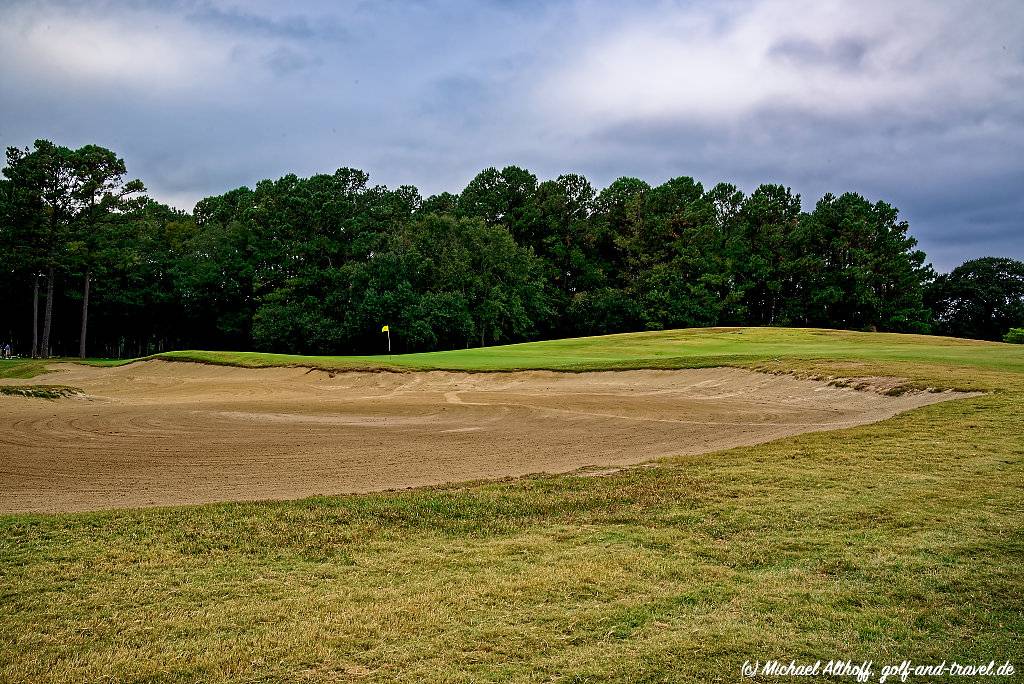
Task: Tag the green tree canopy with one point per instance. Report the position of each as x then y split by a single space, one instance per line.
982 298
318 264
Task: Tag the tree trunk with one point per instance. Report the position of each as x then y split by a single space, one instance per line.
48 315
35 316
85 314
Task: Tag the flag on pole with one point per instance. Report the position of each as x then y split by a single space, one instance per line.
385 329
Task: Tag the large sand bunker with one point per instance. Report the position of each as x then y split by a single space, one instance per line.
160 433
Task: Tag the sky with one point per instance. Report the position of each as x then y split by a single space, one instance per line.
920 104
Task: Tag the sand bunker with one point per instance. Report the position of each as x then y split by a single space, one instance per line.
160 433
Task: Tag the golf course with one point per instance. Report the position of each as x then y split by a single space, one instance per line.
575 342
871 507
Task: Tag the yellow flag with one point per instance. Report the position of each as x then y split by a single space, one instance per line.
385 329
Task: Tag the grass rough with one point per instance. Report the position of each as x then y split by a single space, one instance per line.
900 539
40 391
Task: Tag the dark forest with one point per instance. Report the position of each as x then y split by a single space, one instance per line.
89 265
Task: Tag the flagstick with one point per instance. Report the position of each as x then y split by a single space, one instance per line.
389 341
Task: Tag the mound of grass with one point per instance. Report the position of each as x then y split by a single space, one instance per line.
21 369
900 539
24 369
808 351
40 391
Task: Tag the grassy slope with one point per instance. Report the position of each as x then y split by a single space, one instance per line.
664 349
23 369
899 539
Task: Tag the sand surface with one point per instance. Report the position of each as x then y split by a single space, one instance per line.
161 433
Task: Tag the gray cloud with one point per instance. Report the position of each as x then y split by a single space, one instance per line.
916 103
284 60
291 26
844 53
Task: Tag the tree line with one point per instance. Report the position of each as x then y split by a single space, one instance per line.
90 264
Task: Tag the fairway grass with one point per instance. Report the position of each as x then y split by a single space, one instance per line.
899 539
690 348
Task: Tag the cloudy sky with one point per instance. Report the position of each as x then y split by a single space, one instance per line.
917 103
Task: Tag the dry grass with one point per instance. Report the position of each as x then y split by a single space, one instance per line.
39 391
901 539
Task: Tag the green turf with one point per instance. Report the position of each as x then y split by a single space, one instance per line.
23 369
662 349
901 539
763 348
29 368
